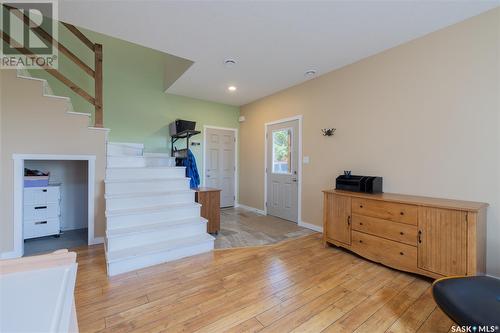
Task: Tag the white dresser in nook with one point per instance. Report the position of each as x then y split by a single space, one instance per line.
42 211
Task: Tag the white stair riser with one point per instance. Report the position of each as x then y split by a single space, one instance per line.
149 201
124 150
133 220
164 234
144 173
151 186
160 161
127 265
138 161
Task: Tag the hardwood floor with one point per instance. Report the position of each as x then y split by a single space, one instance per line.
293 286
242 227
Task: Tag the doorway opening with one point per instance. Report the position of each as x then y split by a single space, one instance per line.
283 168
57 212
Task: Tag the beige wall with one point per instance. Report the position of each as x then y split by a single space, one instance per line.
424 115
33 124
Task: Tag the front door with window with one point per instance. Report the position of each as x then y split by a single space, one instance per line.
282 170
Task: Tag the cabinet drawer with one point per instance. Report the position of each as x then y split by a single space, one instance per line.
41 212
385 210
385 251
399 232
41 195
41 228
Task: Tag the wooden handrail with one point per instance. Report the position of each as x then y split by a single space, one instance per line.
98 85
95 73
79 35
52 71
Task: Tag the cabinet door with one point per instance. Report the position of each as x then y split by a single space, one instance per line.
338 218
442 241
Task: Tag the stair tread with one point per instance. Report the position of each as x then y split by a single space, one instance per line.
153 226
127 144
159 208
145 194
140 156
147 167
141 180
118 255
157 155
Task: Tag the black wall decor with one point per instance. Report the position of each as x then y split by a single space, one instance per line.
328 131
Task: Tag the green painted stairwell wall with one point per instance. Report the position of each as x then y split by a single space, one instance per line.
136 108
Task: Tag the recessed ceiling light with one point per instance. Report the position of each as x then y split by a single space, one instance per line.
231 88
310 73
229 62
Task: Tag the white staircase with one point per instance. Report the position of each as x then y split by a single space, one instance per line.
150 211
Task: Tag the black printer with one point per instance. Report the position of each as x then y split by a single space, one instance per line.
364 184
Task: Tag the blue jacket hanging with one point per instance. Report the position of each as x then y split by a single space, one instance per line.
191 170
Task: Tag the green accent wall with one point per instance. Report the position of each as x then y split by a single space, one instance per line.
136 108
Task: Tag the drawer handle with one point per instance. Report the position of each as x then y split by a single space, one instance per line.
360 241
420 236
349 220
44 190
401 233
401 253
360 206
41 207
360 223
402 213
41 222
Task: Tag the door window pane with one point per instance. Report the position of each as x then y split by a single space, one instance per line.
281 151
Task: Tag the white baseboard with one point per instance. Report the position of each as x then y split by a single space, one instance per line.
97 240
310 226
250 208
9 255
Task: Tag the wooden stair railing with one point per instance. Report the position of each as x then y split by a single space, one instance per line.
95 74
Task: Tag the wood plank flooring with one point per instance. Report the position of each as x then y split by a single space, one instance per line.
293 286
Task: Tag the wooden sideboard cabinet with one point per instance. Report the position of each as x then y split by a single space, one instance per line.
428 236
209 198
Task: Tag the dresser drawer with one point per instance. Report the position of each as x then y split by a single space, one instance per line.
385 251
41 195
385 210
399 232
41 228
41 212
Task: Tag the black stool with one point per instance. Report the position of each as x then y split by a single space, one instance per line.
469 301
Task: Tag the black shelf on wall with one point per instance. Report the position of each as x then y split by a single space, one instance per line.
181 154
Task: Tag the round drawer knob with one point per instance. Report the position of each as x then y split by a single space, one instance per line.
401 253
401 233
360 241
360 223
360 206
402 213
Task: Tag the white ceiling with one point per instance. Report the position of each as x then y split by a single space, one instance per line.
274 42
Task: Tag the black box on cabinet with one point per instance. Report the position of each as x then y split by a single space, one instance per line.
364 184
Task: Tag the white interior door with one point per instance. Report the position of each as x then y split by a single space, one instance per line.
282 170
220 163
